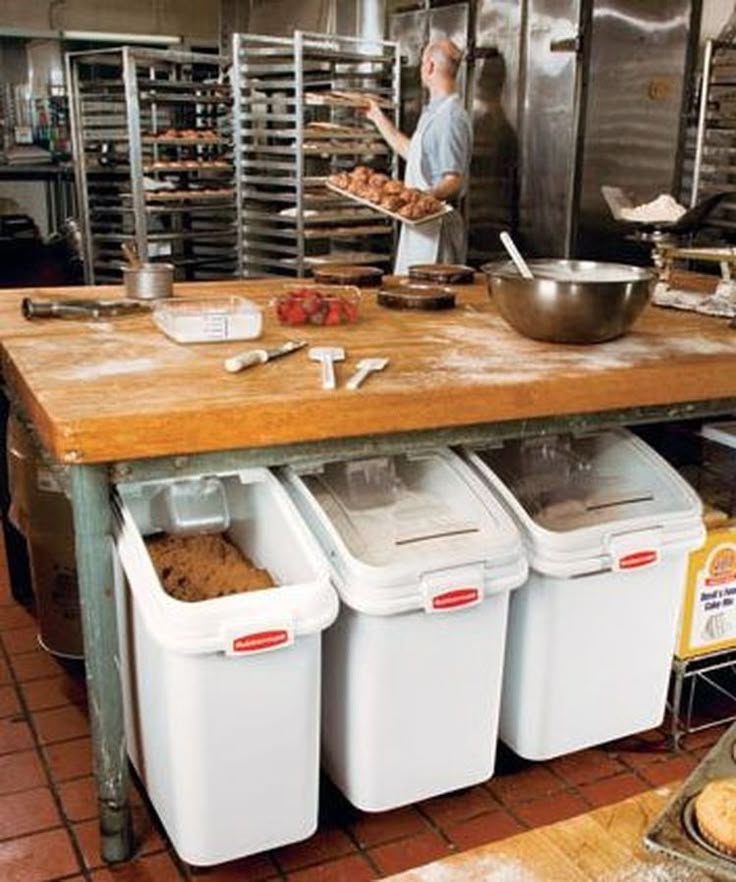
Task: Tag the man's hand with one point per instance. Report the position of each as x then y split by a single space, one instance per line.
449 185
395 139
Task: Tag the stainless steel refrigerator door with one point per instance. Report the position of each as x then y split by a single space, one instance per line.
549 125
494 106
636 76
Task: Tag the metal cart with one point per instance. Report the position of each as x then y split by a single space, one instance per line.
290 132
151 136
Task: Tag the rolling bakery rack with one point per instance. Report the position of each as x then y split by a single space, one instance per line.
296 119
151 133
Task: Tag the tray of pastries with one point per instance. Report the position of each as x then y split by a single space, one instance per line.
387 196
343 98
698 825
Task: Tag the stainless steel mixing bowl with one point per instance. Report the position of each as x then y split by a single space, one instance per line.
570 301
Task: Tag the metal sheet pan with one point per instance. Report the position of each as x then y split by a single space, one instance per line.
674 832
392 214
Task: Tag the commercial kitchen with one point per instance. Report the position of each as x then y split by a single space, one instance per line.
316 570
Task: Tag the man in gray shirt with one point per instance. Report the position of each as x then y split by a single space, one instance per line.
437 158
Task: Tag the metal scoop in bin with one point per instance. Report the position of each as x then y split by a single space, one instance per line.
187 507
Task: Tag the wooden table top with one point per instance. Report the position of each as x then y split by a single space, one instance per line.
604 845
102 391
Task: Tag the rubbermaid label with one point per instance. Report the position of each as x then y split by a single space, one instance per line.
638 559
260 641
456 597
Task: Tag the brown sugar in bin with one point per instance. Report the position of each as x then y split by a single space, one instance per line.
347 274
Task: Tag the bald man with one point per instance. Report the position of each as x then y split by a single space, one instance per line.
437 158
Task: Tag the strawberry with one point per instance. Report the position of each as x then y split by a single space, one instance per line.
333 316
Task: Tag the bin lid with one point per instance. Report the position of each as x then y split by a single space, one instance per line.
390 520
572 493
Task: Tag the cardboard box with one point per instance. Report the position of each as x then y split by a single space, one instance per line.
43 513
708 617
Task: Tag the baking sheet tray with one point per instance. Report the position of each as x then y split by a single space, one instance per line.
392 214
669 832
347 100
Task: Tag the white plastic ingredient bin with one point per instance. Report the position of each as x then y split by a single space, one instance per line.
608 526
424 560
222 696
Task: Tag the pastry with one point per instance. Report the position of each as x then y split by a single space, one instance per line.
715 813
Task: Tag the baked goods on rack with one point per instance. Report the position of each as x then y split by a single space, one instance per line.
715 813
385 193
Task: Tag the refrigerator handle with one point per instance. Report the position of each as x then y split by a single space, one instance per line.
567 44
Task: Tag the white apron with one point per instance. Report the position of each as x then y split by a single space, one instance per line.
419 244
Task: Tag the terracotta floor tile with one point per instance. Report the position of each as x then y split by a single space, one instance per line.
15 734
670 770
460 806
37 858
614 789
9 704
20 771
27 812
394 857
529 783
20 640
15 616
256 868
550 809
146 835
705 738
347 869
5 678
374 829
69 759
482 829
79 799
50 692
323 846
586 765
32 665
61 724
156 868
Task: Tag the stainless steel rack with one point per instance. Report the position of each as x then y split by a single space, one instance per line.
152 143
290 132
713 165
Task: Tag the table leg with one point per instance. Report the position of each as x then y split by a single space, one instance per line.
678 669
93 534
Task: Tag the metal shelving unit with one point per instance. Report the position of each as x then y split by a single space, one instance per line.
290 132
712 168
152 144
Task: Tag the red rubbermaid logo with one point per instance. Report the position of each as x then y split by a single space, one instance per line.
638 559
456 597
260 641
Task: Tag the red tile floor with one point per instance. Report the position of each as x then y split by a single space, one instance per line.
48 827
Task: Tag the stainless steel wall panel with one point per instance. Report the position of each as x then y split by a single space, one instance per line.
547 143
635 90
494 105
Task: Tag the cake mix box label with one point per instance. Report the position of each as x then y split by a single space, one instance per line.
709 608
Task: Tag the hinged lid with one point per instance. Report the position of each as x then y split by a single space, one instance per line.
574 493
387 521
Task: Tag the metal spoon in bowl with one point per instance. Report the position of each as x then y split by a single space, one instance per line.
515 255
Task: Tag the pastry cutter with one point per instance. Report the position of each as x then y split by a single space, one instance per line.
261 356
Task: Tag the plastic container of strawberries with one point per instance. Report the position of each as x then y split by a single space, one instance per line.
313 304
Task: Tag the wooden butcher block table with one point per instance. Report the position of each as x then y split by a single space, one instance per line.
118 401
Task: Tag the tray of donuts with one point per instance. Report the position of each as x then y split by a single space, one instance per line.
387 196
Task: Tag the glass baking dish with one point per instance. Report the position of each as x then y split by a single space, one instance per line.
208 320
